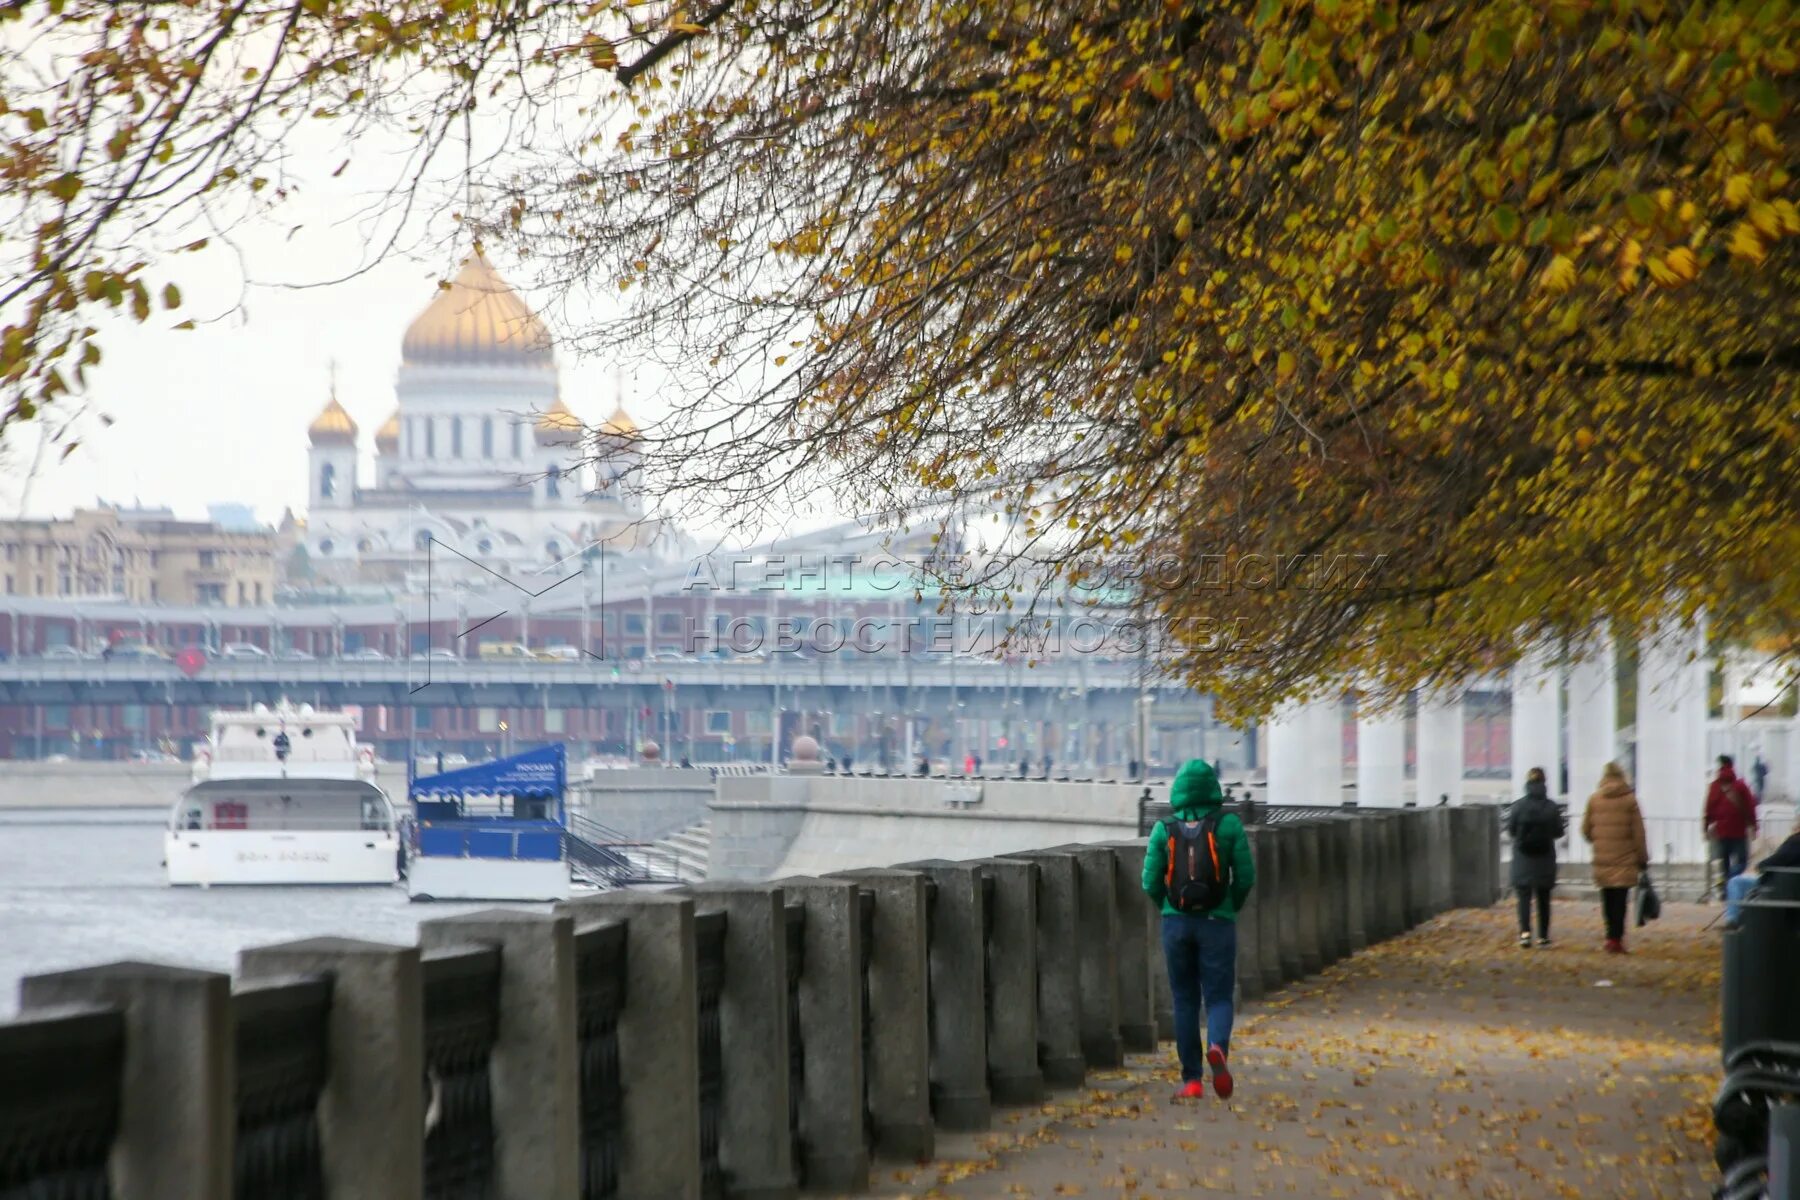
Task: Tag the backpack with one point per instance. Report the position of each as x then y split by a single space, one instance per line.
1537 832
1197 878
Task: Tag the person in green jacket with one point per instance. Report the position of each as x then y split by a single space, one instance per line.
1201 947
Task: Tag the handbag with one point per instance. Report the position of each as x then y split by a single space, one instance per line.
1649 905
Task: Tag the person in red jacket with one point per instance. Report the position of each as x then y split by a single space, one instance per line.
1730 819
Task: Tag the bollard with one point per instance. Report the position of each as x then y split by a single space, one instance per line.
1394 871
1098 918
1014 1076
959 1091
61 1071
532 1067
757 1105
897 1065
371 1112
176 1078
1139 946
1059 969
659 1150
1356 919
834 1155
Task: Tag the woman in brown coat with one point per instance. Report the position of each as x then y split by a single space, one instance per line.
1615 827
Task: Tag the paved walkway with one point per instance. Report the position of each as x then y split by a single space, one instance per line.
1445 1063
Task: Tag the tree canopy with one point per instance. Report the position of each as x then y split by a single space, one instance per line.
1497 300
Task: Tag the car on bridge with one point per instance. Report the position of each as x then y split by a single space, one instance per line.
502 651
135 651
63 653
244 650
559 654
365 654
437 654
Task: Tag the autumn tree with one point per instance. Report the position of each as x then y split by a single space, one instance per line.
1500 296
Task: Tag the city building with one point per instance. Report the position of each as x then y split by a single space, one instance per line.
139 555
481 455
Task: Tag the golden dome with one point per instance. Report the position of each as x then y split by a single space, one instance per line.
332 426
477 321
620 425
557 423
388 435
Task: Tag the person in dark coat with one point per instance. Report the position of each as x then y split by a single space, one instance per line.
1535 823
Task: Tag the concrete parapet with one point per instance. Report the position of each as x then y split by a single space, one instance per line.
1265 906
1139 945
1097 915
835 1156
658 1038
756 1144
532 1066
1310 887
897 977
1059 969
372 1111
176 1081
958 1021
1014 1076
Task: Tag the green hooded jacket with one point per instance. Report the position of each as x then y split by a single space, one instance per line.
1195 793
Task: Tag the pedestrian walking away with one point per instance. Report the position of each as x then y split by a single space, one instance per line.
1730 819
1614 825
1535 823
1785 857
1199 868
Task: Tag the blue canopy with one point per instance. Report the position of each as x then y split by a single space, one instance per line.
540 772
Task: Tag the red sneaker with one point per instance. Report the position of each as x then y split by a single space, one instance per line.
1215 1057
1615 946
1193 1089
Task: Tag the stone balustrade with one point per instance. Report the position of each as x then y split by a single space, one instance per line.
745 1040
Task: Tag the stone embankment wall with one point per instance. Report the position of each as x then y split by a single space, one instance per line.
730 1038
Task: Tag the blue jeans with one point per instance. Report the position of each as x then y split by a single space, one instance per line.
1202 957
1736 888
1734 854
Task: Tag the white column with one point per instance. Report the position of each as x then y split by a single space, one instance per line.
1536 719
1381 758
1671 725
1327 752
1438 749
1593 718
1284 745
1305 746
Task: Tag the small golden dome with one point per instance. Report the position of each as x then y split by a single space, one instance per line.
620 425
557 423
388 436
477 321
332 426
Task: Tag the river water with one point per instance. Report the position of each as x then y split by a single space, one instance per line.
83 887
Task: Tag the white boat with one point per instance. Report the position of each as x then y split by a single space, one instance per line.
283 795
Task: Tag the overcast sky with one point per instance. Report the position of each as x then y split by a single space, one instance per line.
219 413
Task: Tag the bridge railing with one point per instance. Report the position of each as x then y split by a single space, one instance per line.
720 1039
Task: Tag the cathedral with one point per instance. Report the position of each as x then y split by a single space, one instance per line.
481 455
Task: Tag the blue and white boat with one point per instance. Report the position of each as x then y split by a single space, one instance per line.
502 830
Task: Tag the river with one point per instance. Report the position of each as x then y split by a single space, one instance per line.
81 887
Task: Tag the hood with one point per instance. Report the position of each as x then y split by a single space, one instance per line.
1195 790
1536 790
1614 787
1727 775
